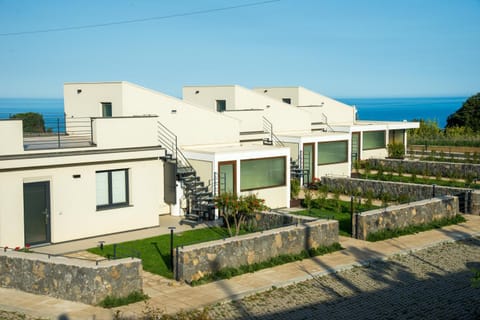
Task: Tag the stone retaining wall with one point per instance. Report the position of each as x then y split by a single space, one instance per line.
433 168
402 216
68 278
195 261
396 190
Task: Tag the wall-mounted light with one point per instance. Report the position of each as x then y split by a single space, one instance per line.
197 92
174 111
79 91
265 91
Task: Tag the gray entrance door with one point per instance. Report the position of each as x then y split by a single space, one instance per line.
36 212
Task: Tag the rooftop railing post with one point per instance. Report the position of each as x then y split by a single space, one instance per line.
58 132
91 130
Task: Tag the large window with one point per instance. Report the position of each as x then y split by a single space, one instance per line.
332 152
112 188
373 140
262 173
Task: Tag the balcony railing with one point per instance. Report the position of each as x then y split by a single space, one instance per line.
54 131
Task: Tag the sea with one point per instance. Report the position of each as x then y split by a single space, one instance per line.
381 109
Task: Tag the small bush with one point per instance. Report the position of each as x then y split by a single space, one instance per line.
394 233
113 301
396 150
227 273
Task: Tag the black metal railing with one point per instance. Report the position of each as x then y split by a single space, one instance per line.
54 131
169 141
268 128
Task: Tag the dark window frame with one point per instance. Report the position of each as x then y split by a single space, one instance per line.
110 109
287 100
284 183
111 204
223 107
335 162
374 148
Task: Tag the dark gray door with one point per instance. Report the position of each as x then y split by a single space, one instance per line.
36 212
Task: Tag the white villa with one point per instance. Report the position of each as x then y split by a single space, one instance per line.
129 154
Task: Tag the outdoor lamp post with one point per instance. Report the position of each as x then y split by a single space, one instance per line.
171 246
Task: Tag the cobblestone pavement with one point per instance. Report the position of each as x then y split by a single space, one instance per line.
433 283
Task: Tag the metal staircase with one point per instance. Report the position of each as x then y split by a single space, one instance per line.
300 169
200 201
297 169
271 139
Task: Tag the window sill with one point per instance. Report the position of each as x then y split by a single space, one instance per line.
114 206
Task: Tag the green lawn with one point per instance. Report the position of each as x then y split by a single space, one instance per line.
155 252
335 210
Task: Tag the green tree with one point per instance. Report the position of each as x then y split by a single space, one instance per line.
32 122
238 210
468 115
428 130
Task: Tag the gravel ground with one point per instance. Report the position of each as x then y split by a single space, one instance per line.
434 283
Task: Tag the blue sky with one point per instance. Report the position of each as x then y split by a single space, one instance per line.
341 48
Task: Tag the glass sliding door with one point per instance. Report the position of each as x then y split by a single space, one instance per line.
227 172
308 162
355 146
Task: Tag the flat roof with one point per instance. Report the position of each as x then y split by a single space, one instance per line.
299 134
233 148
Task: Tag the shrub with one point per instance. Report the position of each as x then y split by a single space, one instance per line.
396 150
294 188
114 301
397 232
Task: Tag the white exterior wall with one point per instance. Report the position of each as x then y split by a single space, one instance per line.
207 96
73 201
282 117
87 103
204 170
12 129
336 169
125 132
192 125
374 153
275 197
279 93
132 100
335 111
249 120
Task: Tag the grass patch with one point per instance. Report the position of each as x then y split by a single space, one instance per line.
394 233
228 273
419 180
336 210
113 301
155 251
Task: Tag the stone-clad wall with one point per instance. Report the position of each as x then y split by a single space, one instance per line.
69 279
415 192
195 261
402 216
434 168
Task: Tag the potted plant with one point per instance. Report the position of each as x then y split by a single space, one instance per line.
294 192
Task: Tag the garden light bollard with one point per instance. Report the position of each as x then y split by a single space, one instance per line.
171 246
352 221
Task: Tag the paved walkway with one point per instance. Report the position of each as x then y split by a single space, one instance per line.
173 297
